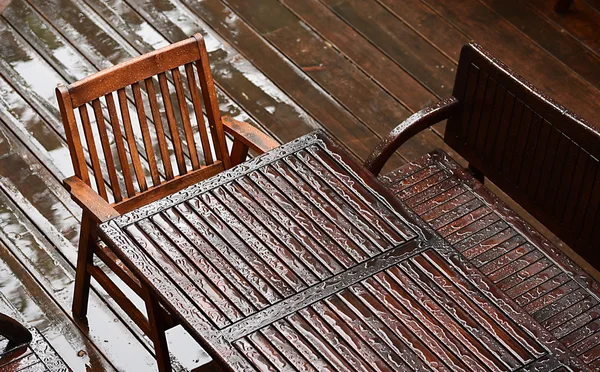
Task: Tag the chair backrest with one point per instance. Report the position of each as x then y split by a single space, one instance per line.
539 153
154 128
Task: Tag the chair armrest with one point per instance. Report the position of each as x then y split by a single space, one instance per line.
15 332
89 200
414 124
249 135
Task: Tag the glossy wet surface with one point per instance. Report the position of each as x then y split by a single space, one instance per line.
353 67
539 278
299 260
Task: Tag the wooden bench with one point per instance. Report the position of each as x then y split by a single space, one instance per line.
542 156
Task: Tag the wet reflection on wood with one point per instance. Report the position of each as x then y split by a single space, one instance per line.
401 298
538 277
270 71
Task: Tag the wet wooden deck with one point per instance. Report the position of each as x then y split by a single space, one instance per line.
353 67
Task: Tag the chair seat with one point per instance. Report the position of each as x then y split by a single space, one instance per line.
540 278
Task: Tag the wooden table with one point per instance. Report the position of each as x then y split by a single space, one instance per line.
300 258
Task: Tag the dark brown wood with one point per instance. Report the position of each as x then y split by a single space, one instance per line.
14 332
562 6
324 109
96 206
523 264
300 259
411 126
23 349
548 174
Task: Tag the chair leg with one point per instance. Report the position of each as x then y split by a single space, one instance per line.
158 327
85 255
239 152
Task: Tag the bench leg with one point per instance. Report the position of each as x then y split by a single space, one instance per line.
475 172
85 254
158 327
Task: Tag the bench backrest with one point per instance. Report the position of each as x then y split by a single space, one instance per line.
539 153
138 115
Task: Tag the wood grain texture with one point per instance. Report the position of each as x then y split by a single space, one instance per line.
539 153
300 259
525 266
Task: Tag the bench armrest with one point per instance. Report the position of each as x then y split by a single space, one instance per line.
418 121
89 200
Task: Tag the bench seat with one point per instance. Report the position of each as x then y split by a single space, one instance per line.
532 271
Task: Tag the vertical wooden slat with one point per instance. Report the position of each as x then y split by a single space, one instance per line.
533 141
520 141
486 116
570 189
565 156
212 106
548 166
73 140
468 103
492 137
206 148
166 96
511 139
592 213
507 113
539 158
185 118
141 114
130 136
482 95
575 215
91 145
121 152
108 158
160 132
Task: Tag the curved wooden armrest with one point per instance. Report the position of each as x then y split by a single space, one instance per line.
16 333
89 200
414 124
249 135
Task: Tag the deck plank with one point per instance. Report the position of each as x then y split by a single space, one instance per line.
253 98
402 44
579 22
561 45
513 47
341 123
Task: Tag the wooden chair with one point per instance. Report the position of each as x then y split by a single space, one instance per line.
539 153
145 138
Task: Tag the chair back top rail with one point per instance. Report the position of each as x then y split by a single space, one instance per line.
541 154
143 123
